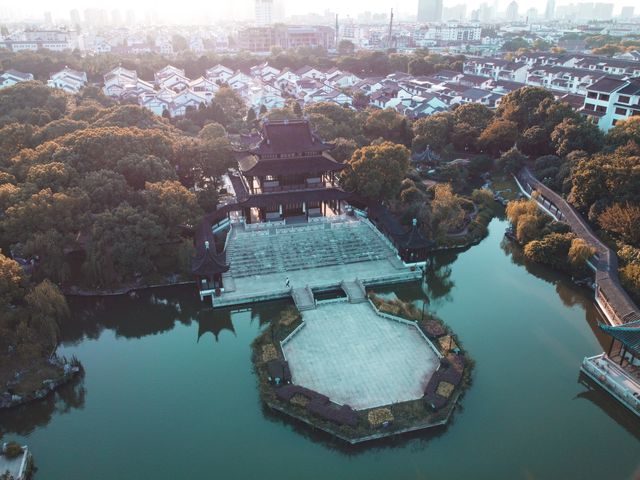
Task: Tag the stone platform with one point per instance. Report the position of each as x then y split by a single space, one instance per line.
319 255
355 357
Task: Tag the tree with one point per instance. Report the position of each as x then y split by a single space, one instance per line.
173 204
12 280
55 175
499 136
520 105
624 220
511 161
579 253
106 189
213 131
473 114
125 242
48 310
433 131
388 125
552 250
343 149
527 228
251 116
138 169
377 171
447 214
518 208
624 132
573 134
232 106
346 47
630 277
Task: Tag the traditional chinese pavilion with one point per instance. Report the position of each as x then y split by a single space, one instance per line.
288 175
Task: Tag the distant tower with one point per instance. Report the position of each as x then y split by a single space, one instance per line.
74 15
551 10
429 10
48 18
512 12
626 13
390 40
264 12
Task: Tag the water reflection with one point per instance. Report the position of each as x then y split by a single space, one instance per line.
608 405
214 321
416 440
570 294
146 313
26 418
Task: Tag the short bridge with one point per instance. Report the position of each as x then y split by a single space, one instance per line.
303 298
355 291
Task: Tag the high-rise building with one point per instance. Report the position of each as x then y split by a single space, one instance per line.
626 13
603 11
130 17
264 12
429 10
551 10
278 11
48 18
512 12
457 12
116 18
74 15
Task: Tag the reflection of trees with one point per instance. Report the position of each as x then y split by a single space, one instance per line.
570 294
438 275
24 419
154 311
147 313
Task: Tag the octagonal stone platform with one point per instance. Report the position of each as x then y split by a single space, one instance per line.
358 358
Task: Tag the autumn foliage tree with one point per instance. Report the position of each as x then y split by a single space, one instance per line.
377 171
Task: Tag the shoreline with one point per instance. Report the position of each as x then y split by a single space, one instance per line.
71 372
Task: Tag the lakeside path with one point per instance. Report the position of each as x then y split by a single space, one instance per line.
610 295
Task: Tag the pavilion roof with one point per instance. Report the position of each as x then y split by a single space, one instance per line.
253 165
207 263
628 334
288 136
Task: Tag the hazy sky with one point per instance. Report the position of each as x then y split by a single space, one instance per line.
243 8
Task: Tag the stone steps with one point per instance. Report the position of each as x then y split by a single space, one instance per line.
302 247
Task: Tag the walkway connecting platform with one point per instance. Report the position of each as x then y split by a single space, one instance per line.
270 262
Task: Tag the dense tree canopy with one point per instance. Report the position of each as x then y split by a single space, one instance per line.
377 171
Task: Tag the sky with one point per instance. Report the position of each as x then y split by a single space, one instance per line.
242 9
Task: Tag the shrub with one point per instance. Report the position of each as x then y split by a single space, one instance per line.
12 450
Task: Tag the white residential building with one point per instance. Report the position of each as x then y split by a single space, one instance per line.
611 100
11 77
71 81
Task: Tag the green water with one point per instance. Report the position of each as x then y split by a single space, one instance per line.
169 391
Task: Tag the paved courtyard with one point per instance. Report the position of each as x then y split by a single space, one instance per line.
349 353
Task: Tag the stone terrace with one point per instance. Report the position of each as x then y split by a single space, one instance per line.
319 255
357 358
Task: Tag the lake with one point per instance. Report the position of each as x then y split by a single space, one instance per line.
169 391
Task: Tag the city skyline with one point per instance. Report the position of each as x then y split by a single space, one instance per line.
245 9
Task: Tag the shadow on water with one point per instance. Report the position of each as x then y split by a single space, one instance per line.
26 418
155 311
147 313
609 405
417 440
